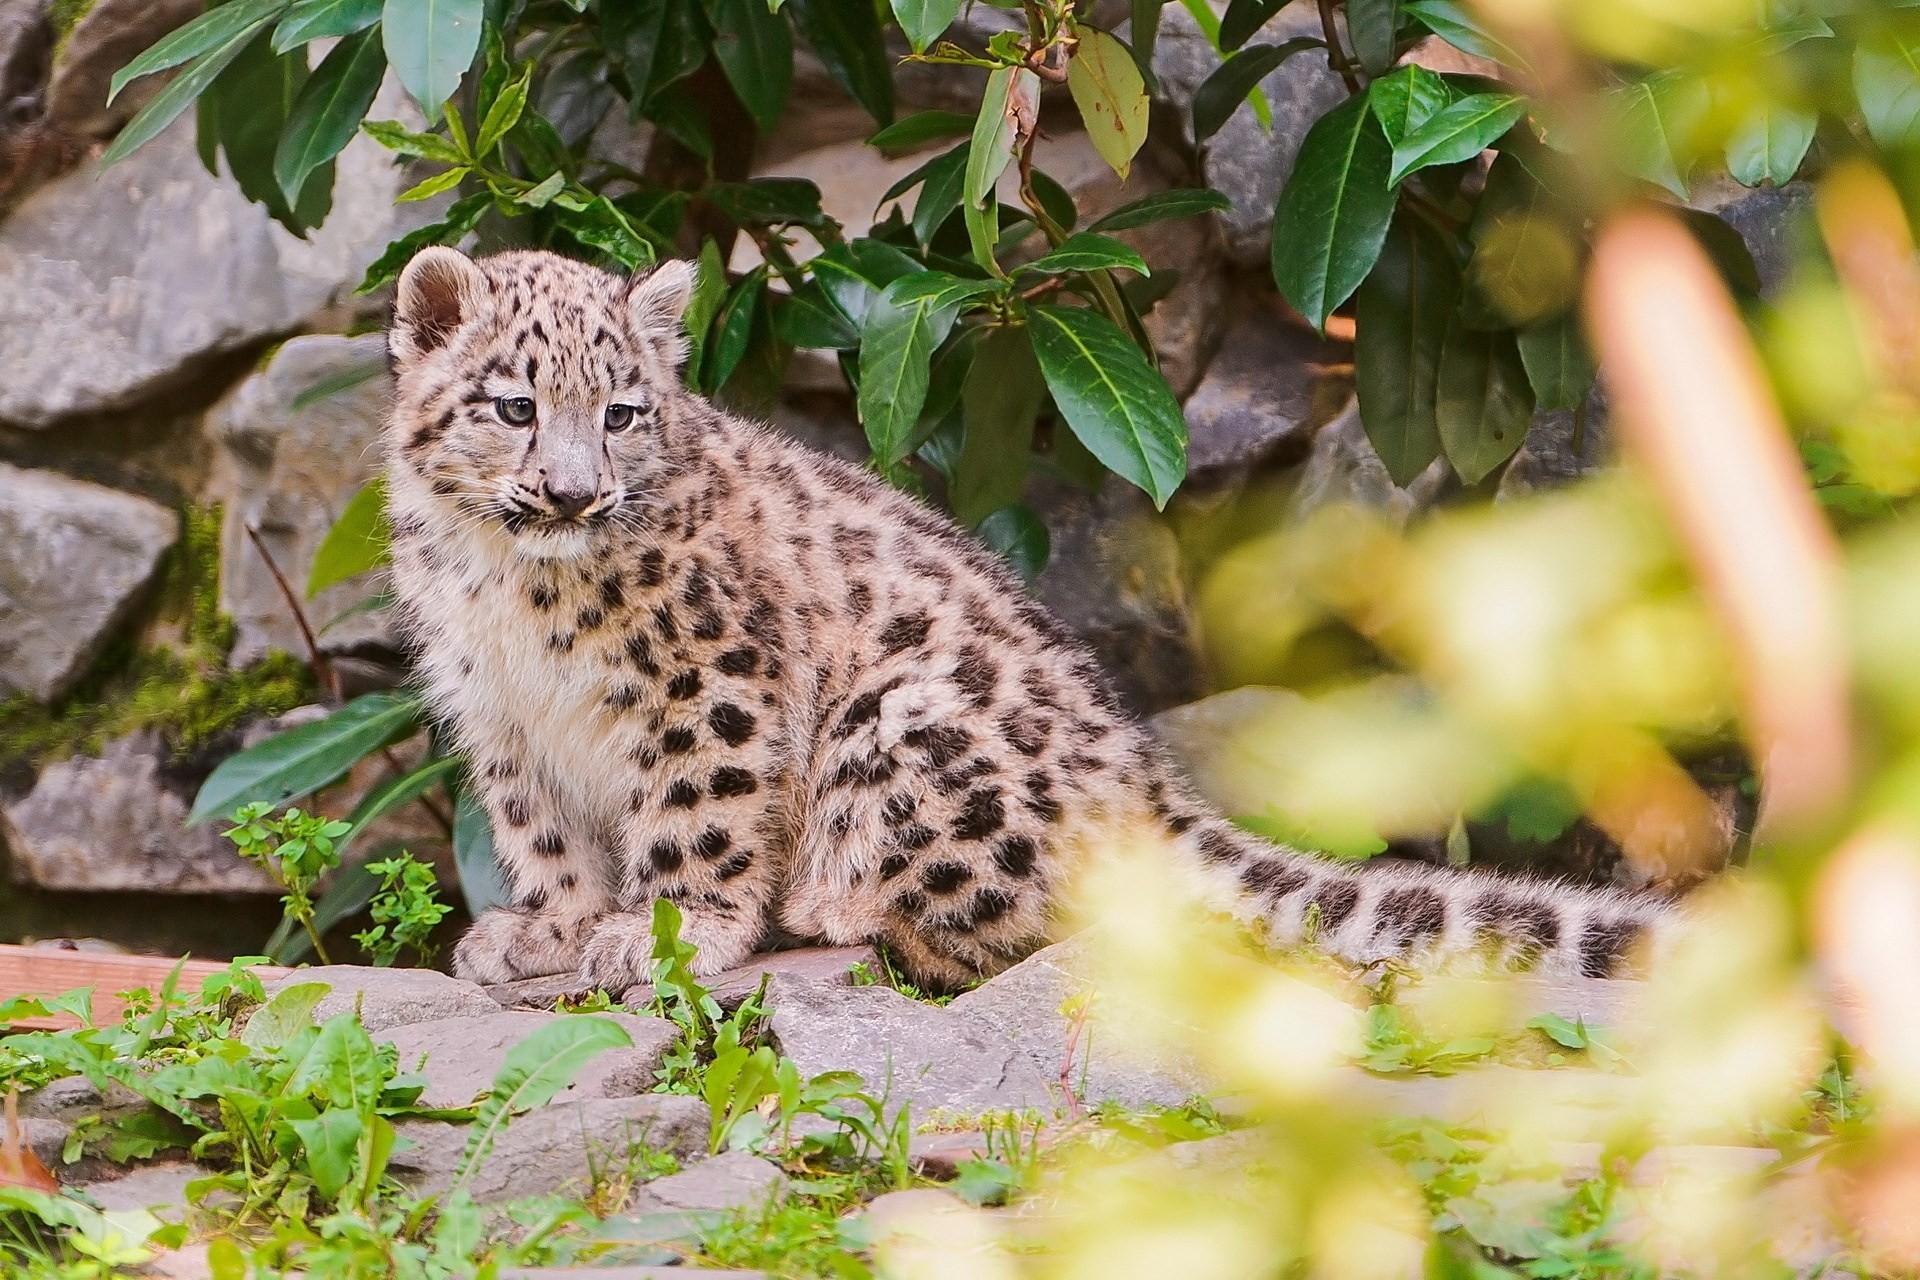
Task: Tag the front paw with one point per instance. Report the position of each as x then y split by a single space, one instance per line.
619 953
506 946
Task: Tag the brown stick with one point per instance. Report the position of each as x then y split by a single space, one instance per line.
322 669
1337 55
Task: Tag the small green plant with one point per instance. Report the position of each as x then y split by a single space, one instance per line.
1395 1045
406 910
296 849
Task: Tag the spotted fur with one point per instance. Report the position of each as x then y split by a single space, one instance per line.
691 659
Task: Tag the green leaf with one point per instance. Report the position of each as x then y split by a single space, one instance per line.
1088 252
1886 80
211 32
332 1140
448 179
180 91
347 895
809 319
1459 28
425 146
923 20
1401 315
999 402
631 31
1557 363
1334 211
281 1018
1484 402
1769 145
244 113
1116 404
460 219
1243 18
343 1067
990 150
534 1070
850 42
1185 202
431 44
897 340
1571 1035
305 759
938 288
941 192
482 884
329 110
921 127
357 542
1145 28
322 19
1457 132
337 383
1407 99
1372 26
1021 539
1222 93
755 51
1646 125
504 113
733 329
1112 96
397 791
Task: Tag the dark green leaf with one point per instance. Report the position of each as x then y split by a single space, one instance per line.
848 38
1886 80
431 44
244 112
1726 247
1055 201
1088 252
215 30
1524 266
1484 402
1186 202
1407 99
732 330
425 146
460 219
924 20
810 320
1001 398
305 759
397 791
1243 18
357 541
940 193
336 383
1557 363
939 288
322 19
631 31
180 91
329 110
1373 26
1334 211
1647 127
922 126
503 113
1223 92
991 148
1401 315
769 202
1769 145
482 884
331 1140
1457 132
897 340
1459 28
1116 403
914 177
601 225
1145 28
679 115
755 51
1020 537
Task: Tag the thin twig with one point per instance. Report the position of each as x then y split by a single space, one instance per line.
322 669
1337 55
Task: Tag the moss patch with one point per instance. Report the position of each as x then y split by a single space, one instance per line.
63 16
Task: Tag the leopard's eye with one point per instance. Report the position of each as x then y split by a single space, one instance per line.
515 411
619 416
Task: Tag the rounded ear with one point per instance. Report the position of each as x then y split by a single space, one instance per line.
656 301
438 290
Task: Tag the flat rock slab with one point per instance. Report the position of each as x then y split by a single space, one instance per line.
388 998
553 1148
154 1186
624 1273
462 1055
732 1180
927 1058
729 986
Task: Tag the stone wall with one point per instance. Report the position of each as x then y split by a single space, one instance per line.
161 339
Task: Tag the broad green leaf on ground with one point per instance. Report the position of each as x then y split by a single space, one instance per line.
321 19
897 341
1117 405
1557 362
995 131
1021 539
1407 99
1243 18
534 1070
920 127
1185 202
1088 251
924 20
289 1012
849 40
1886 81
180 91
1455 24
329 109
1459 131
1223 91
1372 25
303 760
1001 398
1401 315
461 218
430 44
332 1140
631 33
211 32
1769 145
1334 211
1484 402
1653 122
1112 96
357 542
482 885
755 50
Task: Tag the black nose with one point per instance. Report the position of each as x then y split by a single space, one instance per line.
567 500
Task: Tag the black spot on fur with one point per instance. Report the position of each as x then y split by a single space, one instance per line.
684 686
665 856
733 725
734 866
623 698
677 741
1217 846
945 877
987 906
1273 879
709 625
682 795
865 771
1040 799
957 780
653 567
976 674
1409 913
712 842
640 654
910 904
1015 855
982 815
698 588
590 618
610 594
731 780
1334 899
916 836
859 599
943 743
1604 944
1530 927
738 662
560 642
892 865
549 844
514 810
665 623
900 807
543 596
904 632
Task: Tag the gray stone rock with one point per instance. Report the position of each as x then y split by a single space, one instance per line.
916 1055
1243 161
940 1155
117 283
26 41
287 474
558 1147
1344 470
73 1098
108 35
74 561
1775 223
1109 1062
624 1273
462 1055
117 822
1548 459
388 998
834 965
47 1139
1271 386
1115 579
732 1180
150 1186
